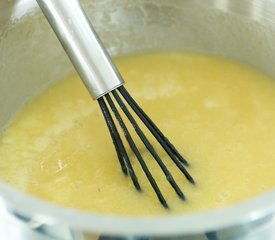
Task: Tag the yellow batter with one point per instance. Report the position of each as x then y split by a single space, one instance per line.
220 114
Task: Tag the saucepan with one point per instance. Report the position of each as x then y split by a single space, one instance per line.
31 58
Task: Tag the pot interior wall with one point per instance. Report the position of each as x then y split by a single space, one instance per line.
31 57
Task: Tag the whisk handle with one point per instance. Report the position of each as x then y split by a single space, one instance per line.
82 45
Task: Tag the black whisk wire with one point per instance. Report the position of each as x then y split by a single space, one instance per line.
148 145
136 151
124 160
122 153
165 143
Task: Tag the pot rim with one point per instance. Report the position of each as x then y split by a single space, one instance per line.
48 213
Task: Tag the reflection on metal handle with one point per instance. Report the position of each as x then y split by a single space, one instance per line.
82 45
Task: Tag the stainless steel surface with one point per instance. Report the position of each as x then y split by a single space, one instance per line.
82 45
31 58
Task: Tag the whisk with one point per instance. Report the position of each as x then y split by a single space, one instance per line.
105 84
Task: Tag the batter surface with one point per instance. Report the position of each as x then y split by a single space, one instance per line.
220 115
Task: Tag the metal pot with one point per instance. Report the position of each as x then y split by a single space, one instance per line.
31 58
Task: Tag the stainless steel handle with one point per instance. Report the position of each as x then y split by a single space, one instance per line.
82 45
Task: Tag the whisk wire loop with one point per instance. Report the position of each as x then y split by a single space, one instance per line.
148 145
177 158
136 152
120 149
